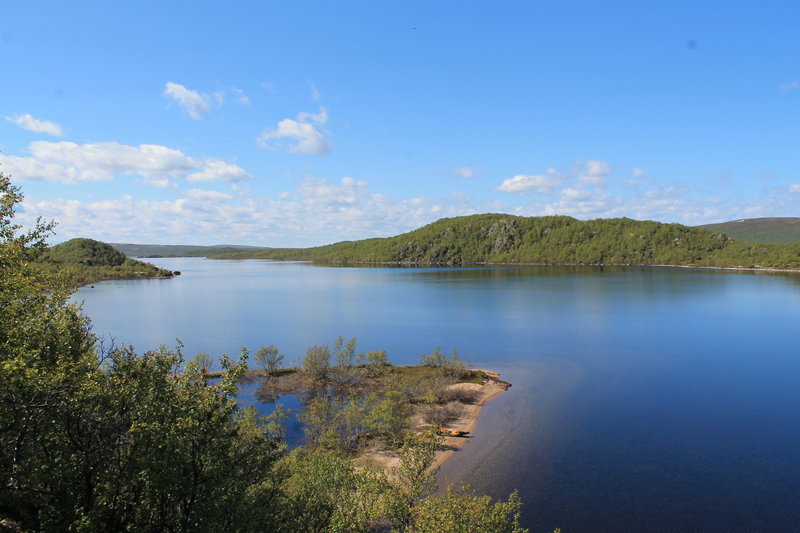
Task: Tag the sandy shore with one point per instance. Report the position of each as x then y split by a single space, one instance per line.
466 421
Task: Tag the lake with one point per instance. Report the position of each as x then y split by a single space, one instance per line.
643 399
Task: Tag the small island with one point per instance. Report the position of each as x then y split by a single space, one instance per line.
84 261
362 406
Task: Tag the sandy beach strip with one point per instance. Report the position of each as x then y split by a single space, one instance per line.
467 420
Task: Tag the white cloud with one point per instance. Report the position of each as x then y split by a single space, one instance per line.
465 172
639 173
594 172
320 191
792 85
315 94
319 212
523 184
794 188
216 170
240 96
575 194
298 136
68 162
197 105
27 122
206 195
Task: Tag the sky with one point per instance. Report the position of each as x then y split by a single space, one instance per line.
303 123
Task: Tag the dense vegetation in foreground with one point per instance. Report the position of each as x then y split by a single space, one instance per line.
84 261
779 230
554 240
96 438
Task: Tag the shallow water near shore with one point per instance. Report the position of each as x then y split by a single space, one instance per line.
642 399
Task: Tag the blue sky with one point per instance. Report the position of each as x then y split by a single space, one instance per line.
303 123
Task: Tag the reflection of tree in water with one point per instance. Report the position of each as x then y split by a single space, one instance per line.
267 393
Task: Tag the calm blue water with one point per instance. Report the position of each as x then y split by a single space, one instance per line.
643 399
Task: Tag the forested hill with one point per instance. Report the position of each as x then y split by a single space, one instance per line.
84 261
554 240
775 229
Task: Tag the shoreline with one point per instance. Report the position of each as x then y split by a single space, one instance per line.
404 264
467 420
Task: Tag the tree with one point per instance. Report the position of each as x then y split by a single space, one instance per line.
463 511
376 363
269 358
414 478
203 362
345 352
114 441
317 362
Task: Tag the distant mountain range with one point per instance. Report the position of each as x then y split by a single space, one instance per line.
775 230
178 250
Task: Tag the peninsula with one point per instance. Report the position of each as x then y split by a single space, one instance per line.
501 239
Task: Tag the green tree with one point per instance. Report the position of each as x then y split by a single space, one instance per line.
203 362
317 362
414 478
388 419
345 352
114 441
323 492
269 358
375 363
464 511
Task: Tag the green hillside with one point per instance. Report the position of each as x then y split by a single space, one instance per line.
554 240
177 250
84 261
775 230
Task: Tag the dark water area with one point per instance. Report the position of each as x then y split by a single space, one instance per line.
642 399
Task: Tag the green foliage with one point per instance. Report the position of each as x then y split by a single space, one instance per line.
340 423
114 441
269 358
317 362
376 363
203 362
552 240
451 366
464 511
84 261
345 352
415 478
323 492
88 252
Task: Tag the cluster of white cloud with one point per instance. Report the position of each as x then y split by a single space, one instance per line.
298 136
70 163
27 122
465 172
594 172
587 193
197 104
317 212
525 184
